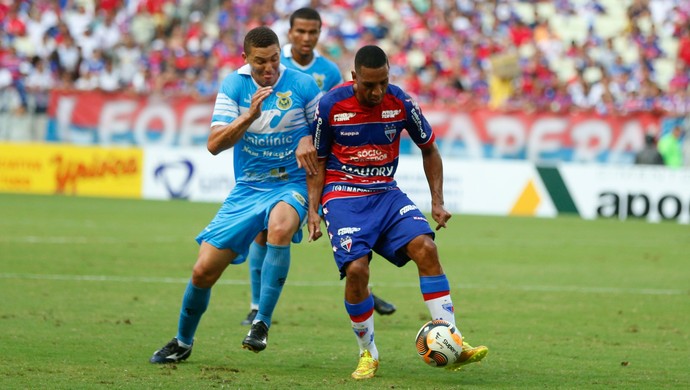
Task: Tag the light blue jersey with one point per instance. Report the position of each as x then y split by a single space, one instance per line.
324 71
266 153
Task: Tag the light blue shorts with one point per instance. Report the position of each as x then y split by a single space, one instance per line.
245 213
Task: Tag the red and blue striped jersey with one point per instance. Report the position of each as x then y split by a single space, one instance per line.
361 143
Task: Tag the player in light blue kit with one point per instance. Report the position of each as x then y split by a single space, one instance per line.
301 55
262 111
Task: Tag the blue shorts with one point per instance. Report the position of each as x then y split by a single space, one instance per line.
245 213
384 223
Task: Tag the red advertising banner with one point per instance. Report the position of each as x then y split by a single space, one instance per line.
106 119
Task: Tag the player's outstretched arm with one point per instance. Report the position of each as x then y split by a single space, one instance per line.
315 190
433 168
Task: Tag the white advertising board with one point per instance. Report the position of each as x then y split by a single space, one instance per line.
488 187
653 193
187 173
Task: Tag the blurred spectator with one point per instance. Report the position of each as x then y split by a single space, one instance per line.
480 53
670 148
649 155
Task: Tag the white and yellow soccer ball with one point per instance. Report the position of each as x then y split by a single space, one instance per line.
438 343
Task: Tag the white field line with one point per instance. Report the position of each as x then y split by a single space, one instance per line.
337 283
76 240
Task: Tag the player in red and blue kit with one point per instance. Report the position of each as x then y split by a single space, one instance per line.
357 137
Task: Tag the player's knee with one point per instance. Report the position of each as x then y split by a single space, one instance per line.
358 272
425 254
280 233
202 276
422 247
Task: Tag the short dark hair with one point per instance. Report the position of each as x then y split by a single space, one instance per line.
261 36
305 13
370 56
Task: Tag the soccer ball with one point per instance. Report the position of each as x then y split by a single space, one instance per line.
439 343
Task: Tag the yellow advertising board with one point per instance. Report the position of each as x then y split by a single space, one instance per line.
71 170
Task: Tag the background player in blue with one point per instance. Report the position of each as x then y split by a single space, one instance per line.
263 111
301 55
357 137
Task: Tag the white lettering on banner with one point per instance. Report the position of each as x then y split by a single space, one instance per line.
65 108
162 112
543 137
461 129
630 139
195 119
546 138
91 117
508 135
591 138
114 120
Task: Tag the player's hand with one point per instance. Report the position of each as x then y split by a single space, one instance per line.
306 155
440 215
257 99
314 226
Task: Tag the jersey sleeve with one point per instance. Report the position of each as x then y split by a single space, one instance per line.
321 130
227 108
334 77
417 126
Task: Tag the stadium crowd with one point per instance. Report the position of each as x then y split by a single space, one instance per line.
502 54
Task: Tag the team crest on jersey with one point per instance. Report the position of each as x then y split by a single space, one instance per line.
346 243
284 100
390 131
320 79
448 307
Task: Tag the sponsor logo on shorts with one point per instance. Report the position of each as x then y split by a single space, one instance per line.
299 198
348 230
407 209
346 243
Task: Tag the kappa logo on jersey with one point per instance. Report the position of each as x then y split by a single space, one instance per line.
343 117
346 243
387 114
284 100
390 132
319 78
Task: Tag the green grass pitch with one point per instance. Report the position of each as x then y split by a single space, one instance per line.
91 287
